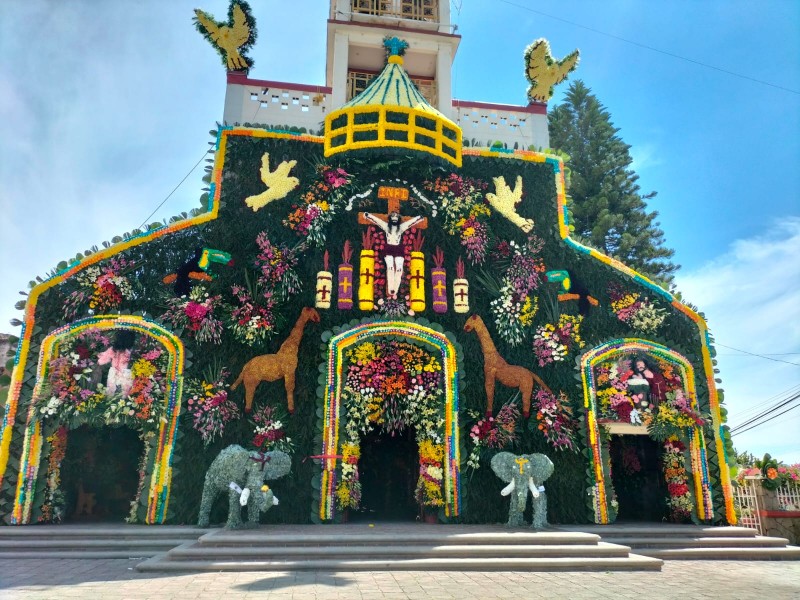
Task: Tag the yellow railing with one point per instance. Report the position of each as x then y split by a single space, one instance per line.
393 126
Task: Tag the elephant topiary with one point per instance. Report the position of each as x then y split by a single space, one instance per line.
242 474
524 473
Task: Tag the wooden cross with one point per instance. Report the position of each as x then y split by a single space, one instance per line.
393 196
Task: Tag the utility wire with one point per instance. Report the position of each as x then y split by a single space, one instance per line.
764 356
651 48
768 420
147 218
754 420
755 407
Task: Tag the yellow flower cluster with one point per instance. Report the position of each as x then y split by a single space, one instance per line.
433 493
363 353
624 302
674 417
143 368
430 452
350 452
529 309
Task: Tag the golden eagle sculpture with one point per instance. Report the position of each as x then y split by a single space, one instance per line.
231 39
543 72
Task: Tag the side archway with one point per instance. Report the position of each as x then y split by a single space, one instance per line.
597 441
165 431
331 392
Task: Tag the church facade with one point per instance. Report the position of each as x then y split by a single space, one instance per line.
386 304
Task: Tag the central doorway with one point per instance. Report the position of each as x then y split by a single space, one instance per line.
636 472
99 473
389 469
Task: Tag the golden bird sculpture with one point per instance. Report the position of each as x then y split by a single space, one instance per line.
544 72
229 38
278 183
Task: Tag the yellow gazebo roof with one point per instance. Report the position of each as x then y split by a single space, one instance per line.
391 112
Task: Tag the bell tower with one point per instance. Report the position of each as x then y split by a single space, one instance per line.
356 54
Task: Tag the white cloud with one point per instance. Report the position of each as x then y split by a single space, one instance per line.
751 298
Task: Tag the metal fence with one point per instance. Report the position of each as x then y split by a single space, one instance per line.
788 497
745 500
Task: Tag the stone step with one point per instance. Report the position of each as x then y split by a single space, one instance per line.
393 552
632 562
324 537
137 554
95 532
662 531
39 545
700 542
785 553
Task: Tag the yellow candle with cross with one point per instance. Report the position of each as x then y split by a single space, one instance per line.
416 282
366 280
324 289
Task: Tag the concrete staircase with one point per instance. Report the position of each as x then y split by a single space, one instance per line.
92 541
391 547
692 542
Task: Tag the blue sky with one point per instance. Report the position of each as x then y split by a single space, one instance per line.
105 107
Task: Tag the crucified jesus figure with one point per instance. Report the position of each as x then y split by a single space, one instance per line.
394 228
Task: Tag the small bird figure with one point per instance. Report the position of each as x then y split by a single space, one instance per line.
278 183
505 202
543 72
228 37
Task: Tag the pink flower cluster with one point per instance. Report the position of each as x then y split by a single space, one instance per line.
555 419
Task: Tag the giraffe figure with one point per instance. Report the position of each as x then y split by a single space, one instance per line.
495 368
281 365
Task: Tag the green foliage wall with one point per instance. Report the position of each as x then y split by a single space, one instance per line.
235 231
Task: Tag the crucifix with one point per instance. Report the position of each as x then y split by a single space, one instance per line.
393 227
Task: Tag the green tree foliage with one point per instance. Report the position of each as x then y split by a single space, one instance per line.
608 210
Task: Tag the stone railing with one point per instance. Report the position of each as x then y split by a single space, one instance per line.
275 103
517 127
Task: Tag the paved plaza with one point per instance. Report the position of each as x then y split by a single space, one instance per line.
117 579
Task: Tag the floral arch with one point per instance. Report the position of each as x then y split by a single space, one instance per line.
162 431
333 379
595 373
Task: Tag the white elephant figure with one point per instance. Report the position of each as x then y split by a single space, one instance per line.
242 474
524 473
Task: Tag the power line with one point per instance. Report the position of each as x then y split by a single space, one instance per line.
755 407
764 356
646 47
147 218
754 420
768 420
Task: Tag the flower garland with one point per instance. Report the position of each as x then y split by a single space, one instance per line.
54 501
103 287
552 343
680 501
392 384
465 212
252 322
493 432
429 485
269 431
73 391
147 437
321 203
209 406
196 315
276 265
637 311
554 419
516 306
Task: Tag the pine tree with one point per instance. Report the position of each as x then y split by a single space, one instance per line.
608 210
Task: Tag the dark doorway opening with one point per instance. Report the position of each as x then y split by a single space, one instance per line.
388 471
100 473
638 478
